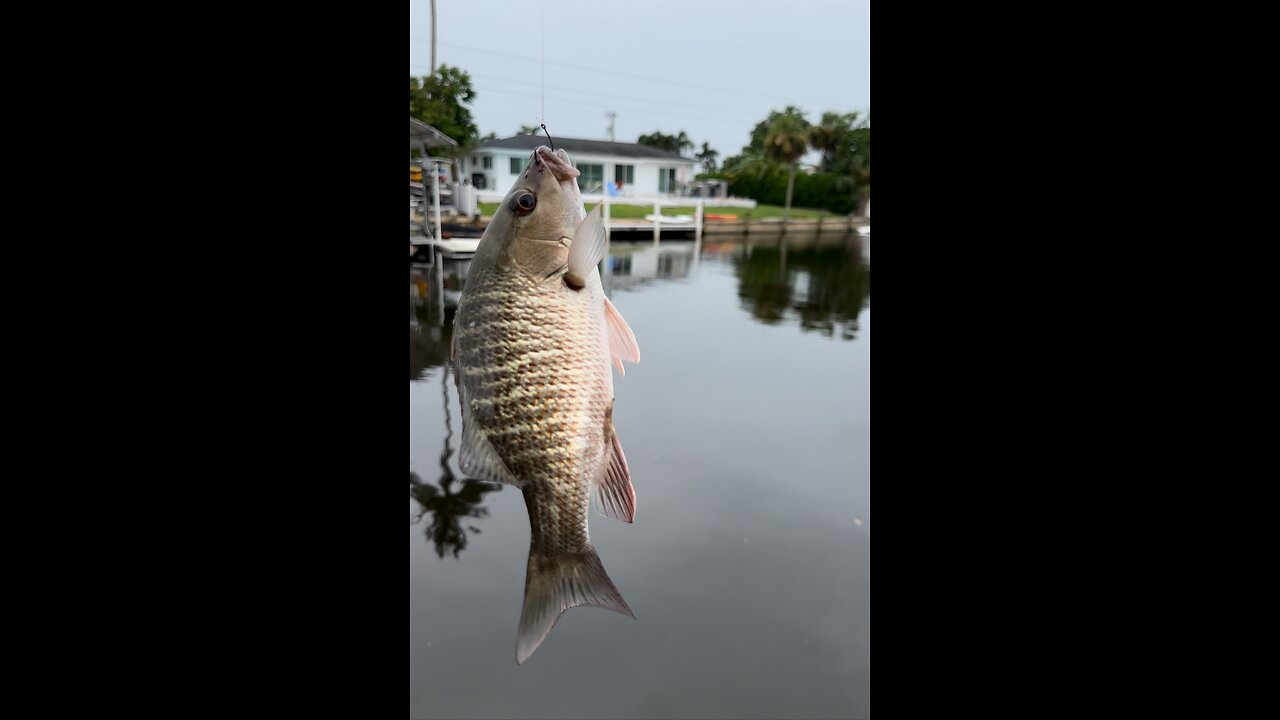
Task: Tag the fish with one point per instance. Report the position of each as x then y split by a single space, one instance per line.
534 344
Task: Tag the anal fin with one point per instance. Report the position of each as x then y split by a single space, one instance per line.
615 496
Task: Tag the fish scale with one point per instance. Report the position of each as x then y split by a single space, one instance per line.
528 434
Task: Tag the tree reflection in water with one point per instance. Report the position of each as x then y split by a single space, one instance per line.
448 508
824 288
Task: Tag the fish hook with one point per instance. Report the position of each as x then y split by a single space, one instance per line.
553 142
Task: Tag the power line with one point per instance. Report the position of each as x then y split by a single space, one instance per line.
603 72
717 110
603 94
722 119
718 117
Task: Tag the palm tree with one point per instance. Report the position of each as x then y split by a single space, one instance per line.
748 163
708 157
828 135
670 143
786 141
853 166
862 168
657 140
683 143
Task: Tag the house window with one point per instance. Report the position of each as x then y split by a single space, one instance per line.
666 180
591 179
488 162
624 174
517 164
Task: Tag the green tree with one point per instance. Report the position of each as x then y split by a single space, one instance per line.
658 140
707 157
751 162
830 137
683 142
845 143
670 143
843 182
761 129
528 130
440 100
786 140
852 166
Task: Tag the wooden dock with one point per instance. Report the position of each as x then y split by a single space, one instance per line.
431 251
632 229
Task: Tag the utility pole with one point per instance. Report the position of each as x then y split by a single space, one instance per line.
612 116
433 38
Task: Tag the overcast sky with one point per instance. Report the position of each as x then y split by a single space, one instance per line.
713 68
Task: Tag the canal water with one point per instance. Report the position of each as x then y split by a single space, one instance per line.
747 428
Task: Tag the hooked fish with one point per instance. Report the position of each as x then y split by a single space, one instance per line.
534 339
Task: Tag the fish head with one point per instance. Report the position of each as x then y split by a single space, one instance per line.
544 202
537 219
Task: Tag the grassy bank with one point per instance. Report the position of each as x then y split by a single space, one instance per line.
636 212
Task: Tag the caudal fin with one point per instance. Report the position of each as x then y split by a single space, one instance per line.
555 584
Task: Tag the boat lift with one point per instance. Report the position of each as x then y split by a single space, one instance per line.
424 138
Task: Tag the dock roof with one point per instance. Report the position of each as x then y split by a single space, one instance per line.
421 134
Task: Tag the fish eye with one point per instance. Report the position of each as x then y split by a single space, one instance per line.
524 203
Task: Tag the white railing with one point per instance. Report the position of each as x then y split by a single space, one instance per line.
590 199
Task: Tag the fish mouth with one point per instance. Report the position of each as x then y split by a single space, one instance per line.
557 162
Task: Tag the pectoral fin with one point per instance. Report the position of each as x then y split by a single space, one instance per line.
587 251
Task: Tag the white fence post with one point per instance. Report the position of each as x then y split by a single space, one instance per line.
435 184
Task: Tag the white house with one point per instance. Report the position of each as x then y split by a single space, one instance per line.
642 171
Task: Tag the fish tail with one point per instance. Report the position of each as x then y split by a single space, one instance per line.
553 584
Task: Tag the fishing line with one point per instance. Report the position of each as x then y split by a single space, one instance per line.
543 68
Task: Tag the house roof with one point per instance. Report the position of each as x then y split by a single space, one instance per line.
589 147
420 132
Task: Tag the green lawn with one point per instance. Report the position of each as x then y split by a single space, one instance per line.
628 212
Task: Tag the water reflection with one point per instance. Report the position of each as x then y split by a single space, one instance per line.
628 266
433 297
448 508
713 641
824 288
434 291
